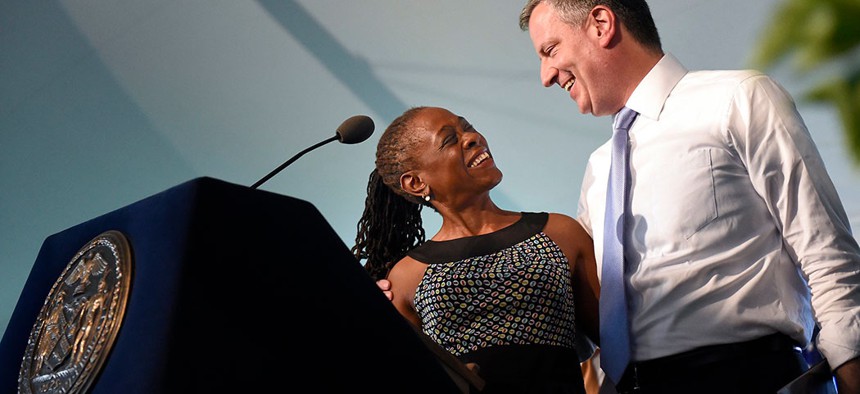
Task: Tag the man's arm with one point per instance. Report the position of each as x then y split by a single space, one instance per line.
848 376
789 174
385 286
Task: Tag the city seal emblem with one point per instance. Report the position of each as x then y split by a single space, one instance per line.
79 321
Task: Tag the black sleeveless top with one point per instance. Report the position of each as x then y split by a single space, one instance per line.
505 301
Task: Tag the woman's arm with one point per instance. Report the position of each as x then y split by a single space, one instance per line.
579 249
404 278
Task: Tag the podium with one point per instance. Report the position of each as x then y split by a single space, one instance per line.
234 289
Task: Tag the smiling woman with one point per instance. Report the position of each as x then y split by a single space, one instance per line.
507 291
103 103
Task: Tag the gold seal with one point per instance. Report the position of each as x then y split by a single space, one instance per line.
79 320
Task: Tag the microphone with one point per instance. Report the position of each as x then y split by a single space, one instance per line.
355 129
352 131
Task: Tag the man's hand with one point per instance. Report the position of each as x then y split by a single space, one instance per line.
848 377
385 286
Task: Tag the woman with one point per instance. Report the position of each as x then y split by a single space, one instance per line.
497 288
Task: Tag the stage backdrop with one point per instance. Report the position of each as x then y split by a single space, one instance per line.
105 103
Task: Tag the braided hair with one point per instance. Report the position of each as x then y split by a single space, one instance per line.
391 223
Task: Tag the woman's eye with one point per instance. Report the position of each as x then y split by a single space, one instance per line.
450 139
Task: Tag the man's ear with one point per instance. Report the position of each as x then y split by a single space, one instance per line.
412 183
601 24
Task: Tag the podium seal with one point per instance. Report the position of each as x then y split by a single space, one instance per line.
79 321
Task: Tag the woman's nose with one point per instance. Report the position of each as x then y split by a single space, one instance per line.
470 139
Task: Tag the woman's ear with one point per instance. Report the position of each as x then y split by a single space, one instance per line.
412 183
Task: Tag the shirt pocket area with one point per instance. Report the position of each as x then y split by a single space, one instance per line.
683 197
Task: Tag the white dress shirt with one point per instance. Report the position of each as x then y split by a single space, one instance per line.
732 218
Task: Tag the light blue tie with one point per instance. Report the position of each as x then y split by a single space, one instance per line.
614 326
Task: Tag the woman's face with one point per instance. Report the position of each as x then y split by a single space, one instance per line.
454 160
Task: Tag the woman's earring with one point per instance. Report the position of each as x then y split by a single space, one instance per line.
427 197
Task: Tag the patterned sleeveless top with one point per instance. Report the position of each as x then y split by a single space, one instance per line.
510 287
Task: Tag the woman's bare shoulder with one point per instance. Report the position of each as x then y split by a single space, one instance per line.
567 233
406 274
559 222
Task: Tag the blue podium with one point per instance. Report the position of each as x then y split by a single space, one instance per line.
233 289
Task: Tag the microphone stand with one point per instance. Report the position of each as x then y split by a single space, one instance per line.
292 159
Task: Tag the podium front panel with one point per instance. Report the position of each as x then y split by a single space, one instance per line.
235 288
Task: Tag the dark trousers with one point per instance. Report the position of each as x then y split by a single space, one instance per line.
756 367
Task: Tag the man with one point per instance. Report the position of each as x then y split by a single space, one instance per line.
734 232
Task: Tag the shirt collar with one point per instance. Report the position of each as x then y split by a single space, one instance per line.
650 95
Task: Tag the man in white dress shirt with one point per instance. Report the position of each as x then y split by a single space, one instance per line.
737 244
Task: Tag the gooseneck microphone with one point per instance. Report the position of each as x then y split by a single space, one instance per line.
352 131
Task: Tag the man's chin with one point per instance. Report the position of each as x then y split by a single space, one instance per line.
583 109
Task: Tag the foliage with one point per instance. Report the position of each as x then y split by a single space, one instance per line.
822 39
